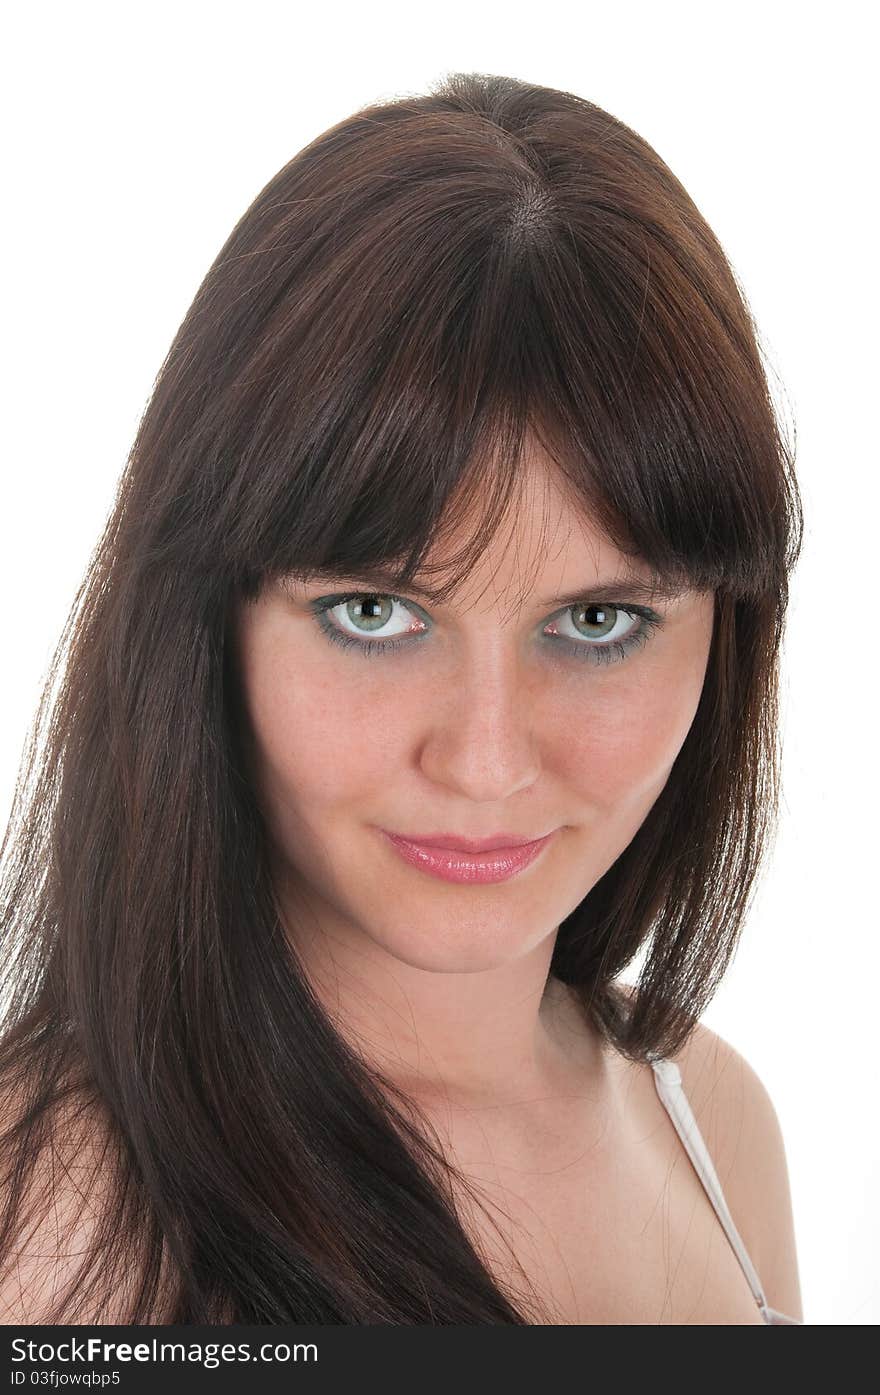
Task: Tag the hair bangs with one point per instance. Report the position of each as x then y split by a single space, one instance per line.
527 313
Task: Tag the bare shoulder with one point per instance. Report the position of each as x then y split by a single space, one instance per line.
57 1216
740 1125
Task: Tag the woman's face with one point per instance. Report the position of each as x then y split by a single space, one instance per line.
487 718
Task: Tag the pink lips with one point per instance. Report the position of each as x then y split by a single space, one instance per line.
455 842
476 862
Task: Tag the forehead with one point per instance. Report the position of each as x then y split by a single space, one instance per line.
520 531
547 540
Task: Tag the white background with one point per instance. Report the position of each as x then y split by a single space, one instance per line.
134 138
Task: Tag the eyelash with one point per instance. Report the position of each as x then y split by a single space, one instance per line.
593 653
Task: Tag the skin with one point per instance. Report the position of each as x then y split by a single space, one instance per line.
478 728
443 987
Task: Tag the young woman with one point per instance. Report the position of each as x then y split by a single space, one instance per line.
425 675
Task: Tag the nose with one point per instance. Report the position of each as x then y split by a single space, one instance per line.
481 741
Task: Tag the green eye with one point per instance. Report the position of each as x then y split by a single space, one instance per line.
604 625
375 611
369 612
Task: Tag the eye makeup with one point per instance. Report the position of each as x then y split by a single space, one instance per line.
602 651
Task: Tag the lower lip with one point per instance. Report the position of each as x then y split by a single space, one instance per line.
453 866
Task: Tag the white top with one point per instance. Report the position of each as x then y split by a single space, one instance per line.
667 1078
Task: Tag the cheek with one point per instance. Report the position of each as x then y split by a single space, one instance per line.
628 732
319 742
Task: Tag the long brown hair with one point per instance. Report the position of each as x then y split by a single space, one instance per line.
417 289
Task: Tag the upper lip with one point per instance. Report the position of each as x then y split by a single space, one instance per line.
455 842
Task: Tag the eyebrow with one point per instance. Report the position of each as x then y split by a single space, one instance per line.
623 588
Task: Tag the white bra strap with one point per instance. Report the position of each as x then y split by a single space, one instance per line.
667 1078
